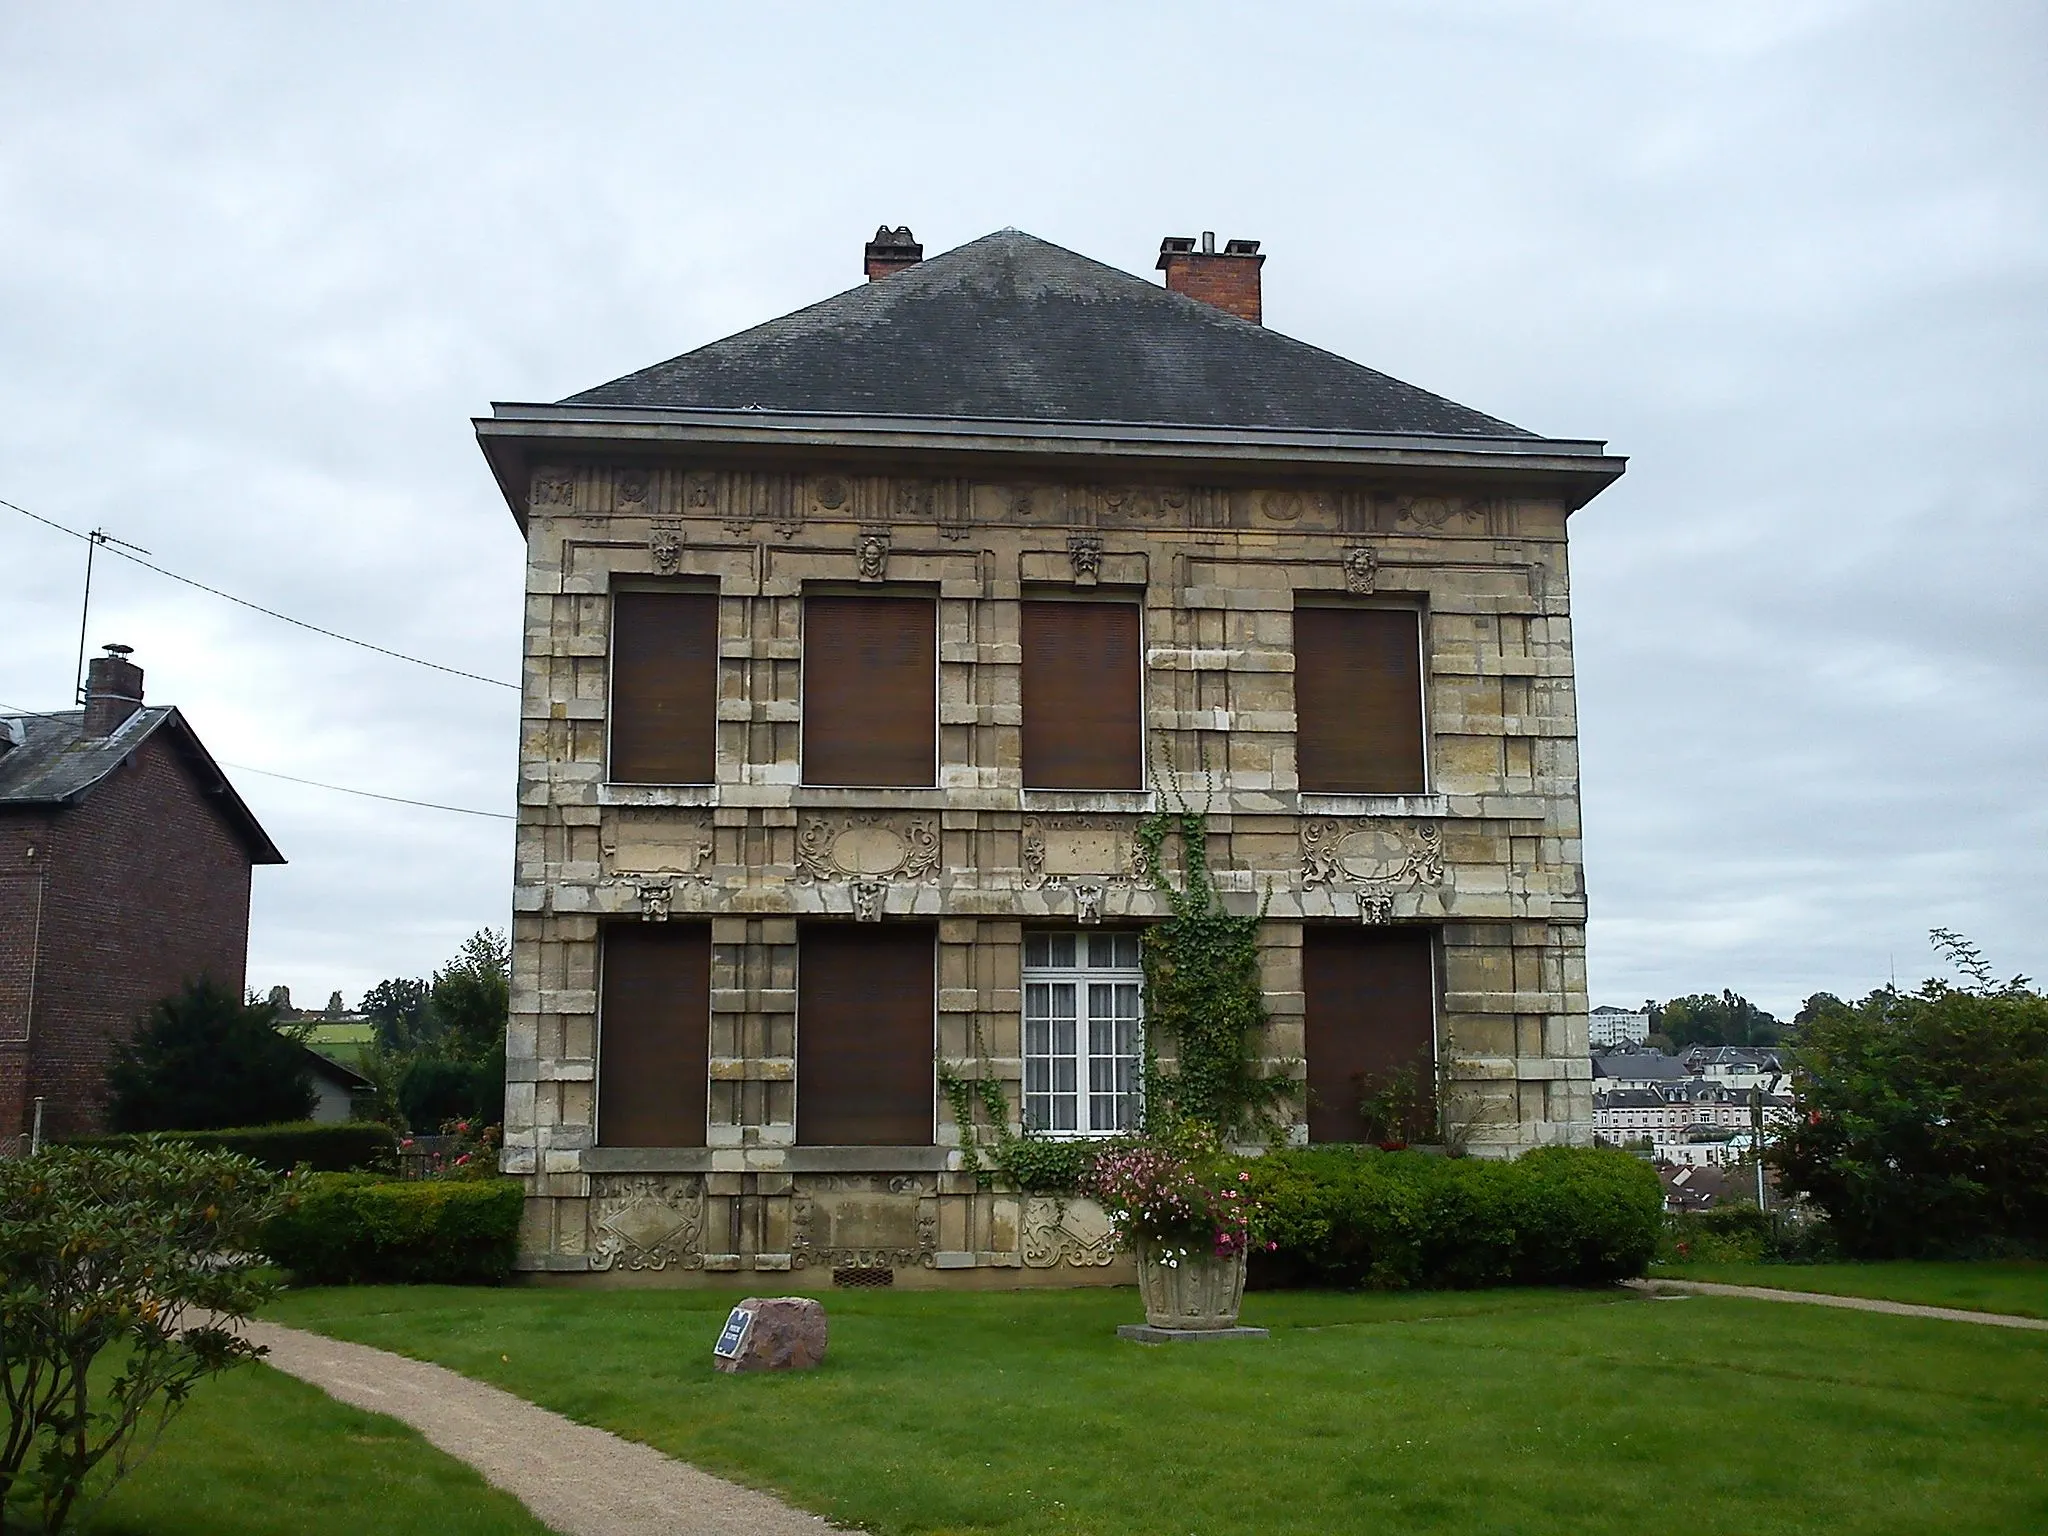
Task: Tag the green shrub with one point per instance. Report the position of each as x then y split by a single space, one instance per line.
354 1145
1731 1234
122 1275
1742 1234
1357 1216
357 1229
1922 1128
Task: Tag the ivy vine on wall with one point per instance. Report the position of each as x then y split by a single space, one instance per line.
1202 988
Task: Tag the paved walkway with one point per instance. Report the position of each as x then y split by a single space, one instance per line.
1853 1303
578 1480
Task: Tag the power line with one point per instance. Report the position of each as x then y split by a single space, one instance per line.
381 650
367 794
271 773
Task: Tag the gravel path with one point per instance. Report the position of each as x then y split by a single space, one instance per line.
1853 1303
578 1480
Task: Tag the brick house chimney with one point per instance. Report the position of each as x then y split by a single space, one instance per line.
113 691
891 251
1228 279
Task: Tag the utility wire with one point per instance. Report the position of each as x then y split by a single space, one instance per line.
367 794
271 773
381 650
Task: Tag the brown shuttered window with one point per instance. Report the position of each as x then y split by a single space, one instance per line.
1083 684
1358 700
870 706
865 1033
1370 1001
654 1035
664 699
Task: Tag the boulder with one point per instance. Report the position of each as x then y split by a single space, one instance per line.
772 1333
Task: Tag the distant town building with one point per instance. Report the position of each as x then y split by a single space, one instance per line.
1689 1110
1694 1188
1635 1069
1609 1027
1740 1065
125 858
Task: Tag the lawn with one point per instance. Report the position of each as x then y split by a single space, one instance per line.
1505 1412
2018 1286
257 1453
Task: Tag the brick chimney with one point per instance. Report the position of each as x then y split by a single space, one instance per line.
891 251
113 691
1228 279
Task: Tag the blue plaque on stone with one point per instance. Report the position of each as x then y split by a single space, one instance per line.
738 1324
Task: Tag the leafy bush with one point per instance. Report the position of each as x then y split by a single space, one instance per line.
1357 1216
202 1060
1742 1234
345 1148
356 1229
109 1252
1730 1234
1923 1118
434 1088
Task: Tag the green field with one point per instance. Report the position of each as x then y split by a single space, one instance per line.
2018 1286
1503 1411
257 1453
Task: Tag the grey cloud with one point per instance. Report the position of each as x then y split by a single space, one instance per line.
262 265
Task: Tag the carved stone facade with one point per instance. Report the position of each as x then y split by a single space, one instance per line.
1488 859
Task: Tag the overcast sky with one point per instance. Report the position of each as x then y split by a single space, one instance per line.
259 266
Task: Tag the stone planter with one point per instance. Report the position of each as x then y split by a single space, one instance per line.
1198 1293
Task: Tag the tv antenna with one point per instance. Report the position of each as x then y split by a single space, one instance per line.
93 541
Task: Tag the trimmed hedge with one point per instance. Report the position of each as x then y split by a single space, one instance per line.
1357 1216
347 1147
357 1229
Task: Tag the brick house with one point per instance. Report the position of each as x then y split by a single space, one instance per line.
854 645
125 860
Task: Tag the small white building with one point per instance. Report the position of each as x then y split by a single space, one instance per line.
1610 1027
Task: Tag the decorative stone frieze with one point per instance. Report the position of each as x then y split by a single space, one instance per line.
865 1221
646 1222
873 848
1073 1232
1373 853
649 841
1056 850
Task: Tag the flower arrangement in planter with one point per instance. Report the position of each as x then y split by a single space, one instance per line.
1185 1210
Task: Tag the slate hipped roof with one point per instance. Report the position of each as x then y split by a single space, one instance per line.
1013 328
56 764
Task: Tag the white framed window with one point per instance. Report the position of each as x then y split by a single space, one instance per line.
1083 1023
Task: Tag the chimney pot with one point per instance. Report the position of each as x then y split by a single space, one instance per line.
891 251
1226 279
113 690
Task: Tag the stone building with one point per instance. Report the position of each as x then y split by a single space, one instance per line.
125 867
856 646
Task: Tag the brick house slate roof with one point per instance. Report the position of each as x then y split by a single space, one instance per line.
56 764
1014 328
